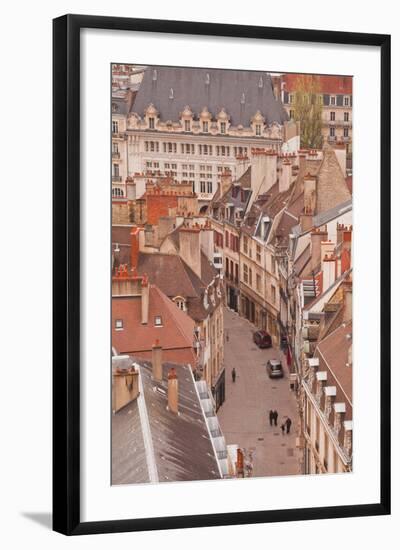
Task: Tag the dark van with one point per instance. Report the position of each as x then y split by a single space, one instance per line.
262 339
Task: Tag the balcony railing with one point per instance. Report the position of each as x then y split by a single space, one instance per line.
116 155
116 178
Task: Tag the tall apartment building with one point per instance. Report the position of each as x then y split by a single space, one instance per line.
336 98
191 124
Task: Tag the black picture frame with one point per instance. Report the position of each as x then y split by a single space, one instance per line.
66 273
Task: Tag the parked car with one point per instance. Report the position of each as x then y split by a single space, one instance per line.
262 339
274 368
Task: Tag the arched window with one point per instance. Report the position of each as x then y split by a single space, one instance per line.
180 302
117 192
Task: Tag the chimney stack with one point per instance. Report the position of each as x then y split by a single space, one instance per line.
156 359
242 163
306 220
173 391
263 170
286 175
328 271
226 180
135 235
189 248
310 193
347 300
145 300
302 160
317 237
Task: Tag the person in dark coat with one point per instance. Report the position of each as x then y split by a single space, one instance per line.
275 417
288 424
271 417
283 428
233 374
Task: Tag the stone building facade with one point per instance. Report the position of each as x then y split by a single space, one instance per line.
192 124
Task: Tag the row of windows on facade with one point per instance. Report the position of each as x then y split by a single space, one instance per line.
332 116
204 171
323 453
190 149
332 100
332 132
248 279
205 126
232 242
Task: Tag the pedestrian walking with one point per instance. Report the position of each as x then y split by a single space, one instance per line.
288 424
271 417
283 429
227 336
233 374
275 417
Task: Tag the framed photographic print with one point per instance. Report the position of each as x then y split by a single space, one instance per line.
221 274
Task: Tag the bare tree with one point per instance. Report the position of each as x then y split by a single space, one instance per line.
307 108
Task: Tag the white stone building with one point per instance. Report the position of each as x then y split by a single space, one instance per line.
193 123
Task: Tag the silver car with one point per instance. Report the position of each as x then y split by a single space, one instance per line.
274 368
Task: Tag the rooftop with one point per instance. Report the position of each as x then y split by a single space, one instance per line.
150 443
240 93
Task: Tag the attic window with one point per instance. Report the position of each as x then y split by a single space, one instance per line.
119 324
158 321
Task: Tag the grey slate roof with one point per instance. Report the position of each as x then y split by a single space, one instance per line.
182 449
226 89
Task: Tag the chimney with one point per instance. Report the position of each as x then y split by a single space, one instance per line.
328 271
135 236
226 180
306 220
189 248
286 176
125 382
310 193
242 163
263 170
156 359
317 237
145 300
173 391
327 248
149 235
347 300
346 237
302 160
165 226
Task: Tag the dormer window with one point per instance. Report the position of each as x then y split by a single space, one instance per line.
158 321
151 123
119 324
205 126
258 129
180 302
223 127
187 125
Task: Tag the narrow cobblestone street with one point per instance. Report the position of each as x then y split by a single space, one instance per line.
244 416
